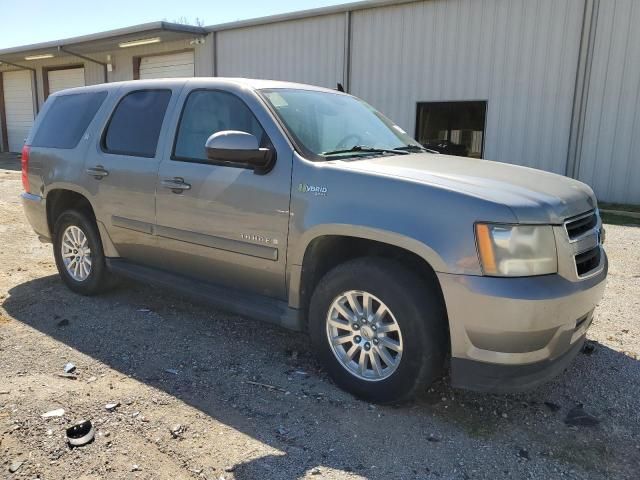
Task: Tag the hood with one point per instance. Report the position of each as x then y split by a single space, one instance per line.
533 195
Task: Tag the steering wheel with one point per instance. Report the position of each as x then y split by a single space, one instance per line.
343 143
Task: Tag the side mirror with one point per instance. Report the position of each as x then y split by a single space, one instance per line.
239 149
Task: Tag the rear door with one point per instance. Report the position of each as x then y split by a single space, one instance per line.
121 173
230 225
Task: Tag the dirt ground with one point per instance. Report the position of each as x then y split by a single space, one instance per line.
247 401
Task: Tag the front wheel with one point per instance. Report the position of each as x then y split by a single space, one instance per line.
379 329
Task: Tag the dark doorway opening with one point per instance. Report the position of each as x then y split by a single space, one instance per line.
454 128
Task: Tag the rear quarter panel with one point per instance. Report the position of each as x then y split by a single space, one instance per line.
53 168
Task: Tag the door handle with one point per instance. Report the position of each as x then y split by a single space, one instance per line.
176 185
98 172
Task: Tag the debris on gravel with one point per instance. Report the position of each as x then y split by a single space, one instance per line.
524 453
69 368
59 412
267 386
578 417
80 434
554 407
15 466
62 323
177 430
588 348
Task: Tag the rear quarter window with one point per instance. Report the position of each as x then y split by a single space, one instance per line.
134 127
67 119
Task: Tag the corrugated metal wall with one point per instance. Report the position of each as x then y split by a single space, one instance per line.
310 51
519 55
204 57
609 157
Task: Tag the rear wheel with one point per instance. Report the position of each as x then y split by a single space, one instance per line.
379 329
78 253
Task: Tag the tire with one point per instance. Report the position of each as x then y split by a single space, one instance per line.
98 279
414 306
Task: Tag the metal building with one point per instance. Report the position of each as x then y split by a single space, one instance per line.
550 84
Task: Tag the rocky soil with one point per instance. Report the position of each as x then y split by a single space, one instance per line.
202 394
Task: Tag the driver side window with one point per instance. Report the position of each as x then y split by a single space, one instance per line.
207 112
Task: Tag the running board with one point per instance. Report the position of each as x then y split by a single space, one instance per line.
247 304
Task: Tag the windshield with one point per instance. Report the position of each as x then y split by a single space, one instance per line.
331 125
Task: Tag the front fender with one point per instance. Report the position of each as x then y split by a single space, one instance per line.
297 253
368 233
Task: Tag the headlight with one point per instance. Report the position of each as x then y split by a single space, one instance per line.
516 250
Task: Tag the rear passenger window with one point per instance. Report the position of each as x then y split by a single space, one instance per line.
207 112
135 125
67 119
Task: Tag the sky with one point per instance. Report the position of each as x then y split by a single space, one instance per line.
23 22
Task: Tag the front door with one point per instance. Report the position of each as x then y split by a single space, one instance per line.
121 174
226 225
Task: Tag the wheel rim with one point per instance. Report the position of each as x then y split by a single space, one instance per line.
76 254
364 335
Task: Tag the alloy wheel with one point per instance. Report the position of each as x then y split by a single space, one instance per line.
364 335
76 254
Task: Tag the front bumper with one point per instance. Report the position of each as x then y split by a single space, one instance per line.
35 209
511 334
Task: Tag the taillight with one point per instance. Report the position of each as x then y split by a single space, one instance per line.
25 167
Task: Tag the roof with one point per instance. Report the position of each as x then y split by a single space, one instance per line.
255 84
104 41
314 12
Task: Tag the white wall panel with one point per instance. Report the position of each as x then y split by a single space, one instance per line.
309 51
610 150
519 55
18 102
204 57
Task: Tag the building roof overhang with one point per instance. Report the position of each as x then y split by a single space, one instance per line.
108 41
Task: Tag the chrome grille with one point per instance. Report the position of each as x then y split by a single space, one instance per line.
587 261
584 243
579 226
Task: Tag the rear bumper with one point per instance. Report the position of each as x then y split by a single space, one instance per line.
511 334
35 209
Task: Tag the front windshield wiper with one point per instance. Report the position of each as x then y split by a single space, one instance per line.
365 149
415 148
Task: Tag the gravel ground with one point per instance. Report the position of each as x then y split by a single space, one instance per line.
247 401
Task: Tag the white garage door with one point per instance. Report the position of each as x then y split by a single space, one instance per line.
167 66
18 104
63 79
